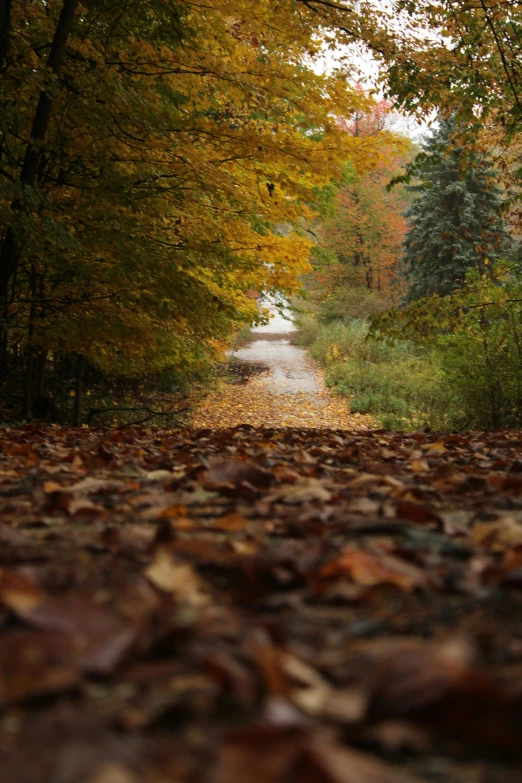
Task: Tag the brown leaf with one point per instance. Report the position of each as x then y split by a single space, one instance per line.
396 736
177 578
364 480
33 664
315 696
322 761
363 506
501 483
51 486
231 675
302 491
416 512
92 486
499 536
84 507
268 754
371 568
19 593
230 523
232 473
112 772
164 476
286 675
414 673
99 638
106 454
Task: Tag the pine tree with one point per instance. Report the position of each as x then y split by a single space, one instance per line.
455 221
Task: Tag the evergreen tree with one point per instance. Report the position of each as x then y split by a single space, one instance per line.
455 221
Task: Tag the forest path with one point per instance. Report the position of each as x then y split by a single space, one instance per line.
290 392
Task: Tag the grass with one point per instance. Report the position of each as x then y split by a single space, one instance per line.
403 386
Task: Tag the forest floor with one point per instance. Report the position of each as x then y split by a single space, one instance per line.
275 604
262 605
275 384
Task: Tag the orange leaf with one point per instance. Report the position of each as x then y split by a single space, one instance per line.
368 568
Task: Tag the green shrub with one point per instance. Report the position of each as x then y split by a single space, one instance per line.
485 370
308 330
401 385
445 363
477 333
353 302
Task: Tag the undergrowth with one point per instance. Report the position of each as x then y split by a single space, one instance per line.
404 386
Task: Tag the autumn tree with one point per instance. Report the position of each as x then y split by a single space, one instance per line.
367 230
447 56
176 139
453 58
360 237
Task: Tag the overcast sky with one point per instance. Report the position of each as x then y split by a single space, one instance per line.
365 70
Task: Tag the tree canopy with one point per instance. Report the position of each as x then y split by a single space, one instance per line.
159 160
150 154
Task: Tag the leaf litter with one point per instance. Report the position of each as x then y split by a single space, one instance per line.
257 404
262 604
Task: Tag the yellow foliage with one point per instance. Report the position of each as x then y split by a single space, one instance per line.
184 154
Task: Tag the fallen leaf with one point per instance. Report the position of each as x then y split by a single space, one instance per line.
33 663
499 536
92 486
233 676
325 762
164 476
437 448
371 568
84 507
232 473
100 639
415 673
177 578
302 491
396 736
265 754
230 523
112 772
416 512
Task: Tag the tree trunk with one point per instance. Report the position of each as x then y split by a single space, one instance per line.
4 354
29 367
5 31
39 374
11 247
28 390
77 420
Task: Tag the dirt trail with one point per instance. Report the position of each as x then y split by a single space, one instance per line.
292 391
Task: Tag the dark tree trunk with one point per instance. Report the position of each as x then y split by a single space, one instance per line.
4 353
77 421
28 386
368 273
5 31
29 367
11 247
39 374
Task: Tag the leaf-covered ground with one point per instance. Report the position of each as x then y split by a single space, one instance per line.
254 403
261 605
276 385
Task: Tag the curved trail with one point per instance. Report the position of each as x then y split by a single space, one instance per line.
291 393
